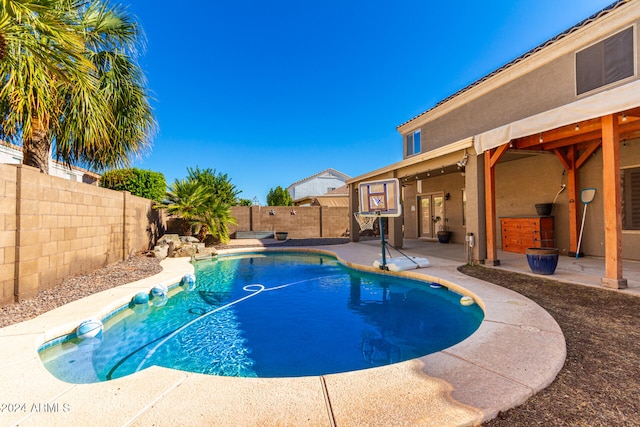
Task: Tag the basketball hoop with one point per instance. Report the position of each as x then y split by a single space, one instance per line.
365 220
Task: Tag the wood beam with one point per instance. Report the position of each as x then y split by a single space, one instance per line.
563 159
612 203
572 187
588 131
491 157
592 148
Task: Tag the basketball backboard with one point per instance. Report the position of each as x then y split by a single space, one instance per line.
381 197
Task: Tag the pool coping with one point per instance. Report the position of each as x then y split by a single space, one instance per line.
517 351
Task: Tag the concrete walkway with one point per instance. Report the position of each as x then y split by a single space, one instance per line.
517 351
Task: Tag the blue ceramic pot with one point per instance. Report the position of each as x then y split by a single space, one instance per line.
542 260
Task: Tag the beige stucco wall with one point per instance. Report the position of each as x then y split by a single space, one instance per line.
52 228
298 221
548 84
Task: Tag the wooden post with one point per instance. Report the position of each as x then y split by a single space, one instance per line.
612 203
354 206
572 187
490 210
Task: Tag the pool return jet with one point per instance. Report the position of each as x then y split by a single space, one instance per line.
378 200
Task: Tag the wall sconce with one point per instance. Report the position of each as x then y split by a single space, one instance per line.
272 212
442 169
293 212
429 172
447 196
624 117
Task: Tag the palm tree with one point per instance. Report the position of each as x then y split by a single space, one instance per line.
216 221
87 101
186 199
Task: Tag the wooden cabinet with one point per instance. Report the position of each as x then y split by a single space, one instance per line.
520 233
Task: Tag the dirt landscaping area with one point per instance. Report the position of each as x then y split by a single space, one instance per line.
599 384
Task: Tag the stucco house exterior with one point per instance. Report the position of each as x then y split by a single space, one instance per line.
12 154
563 117
337 197
317 185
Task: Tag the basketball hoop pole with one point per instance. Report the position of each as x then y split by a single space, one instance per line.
384 249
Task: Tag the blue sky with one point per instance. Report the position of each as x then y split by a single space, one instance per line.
271 92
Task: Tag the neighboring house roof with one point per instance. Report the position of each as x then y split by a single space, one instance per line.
344 191
337 197
545 45
330 171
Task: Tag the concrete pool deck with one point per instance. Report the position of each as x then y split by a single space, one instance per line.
517 351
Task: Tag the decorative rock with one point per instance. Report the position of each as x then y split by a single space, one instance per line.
160 251
165 239
189 239
185 251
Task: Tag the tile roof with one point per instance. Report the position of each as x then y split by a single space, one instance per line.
521 58
329 171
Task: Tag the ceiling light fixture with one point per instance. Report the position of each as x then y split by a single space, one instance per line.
463 163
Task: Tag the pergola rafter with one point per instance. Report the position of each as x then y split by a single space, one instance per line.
573 145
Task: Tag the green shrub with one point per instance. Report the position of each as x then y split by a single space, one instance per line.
279 197
139 182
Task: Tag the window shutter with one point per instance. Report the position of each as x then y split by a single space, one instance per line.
605 62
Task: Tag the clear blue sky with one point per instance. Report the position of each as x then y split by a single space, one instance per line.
271 92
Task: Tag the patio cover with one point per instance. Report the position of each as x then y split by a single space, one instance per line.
608 102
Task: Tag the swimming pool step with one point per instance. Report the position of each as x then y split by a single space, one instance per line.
254 234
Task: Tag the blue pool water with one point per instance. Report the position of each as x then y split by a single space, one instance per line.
272 315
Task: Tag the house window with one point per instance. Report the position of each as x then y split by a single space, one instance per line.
413 143
605 62
630 191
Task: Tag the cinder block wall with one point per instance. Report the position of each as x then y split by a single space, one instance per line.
7 233
299 221
52 228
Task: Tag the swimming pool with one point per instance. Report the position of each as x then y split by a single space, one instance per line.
271 315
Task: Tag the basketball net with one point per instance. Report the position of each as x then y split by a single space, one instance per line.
365 221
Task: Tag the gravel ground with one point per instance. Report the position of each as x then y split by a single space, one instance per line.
135 268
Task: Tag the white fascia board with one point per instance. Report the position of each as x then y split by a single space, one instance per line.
433 154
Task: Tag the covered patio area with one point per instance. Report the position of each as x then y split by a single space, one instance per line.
586 270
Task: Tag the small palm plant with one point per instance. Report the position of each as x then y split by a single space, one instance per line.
200 208
186 200
216 221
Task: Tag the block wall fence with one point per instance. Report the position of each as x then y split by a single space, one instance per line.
52 228
299 221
